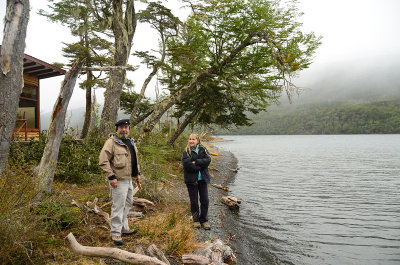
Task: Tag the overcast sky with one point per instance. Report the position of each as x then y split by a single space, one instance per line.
351 30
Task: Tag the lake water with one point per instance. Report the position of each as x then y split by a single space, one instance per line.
316 199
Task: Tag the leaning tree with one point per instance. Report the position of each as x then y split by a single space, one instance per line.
244 49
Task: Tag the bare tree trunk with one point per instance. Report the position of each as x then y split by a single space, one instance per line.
123 26
142 117
11 78
183 125
49 159
147 81
86 123
165 105
141 95
93 114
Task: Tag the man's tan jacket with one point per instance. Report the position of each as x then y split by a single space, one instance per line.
115 158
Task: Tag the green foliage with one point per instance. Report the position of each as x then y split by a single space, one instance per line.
28 153
128 100
78 160
56 215
373 118
249 51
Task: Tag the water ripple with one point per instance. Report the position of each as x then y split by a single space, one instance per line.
317 199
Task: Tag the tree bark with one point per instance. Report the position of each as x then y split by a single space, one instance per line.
86 123
93 114
164 105
115 253
123 27
183 125
11 77
49 159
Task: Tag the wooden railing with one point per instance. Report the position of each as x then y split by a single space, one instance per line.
23 125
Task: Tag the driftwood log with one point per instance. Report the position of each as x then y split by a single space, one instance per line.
195 259
219 186
153 251
212 253
232 202
108 252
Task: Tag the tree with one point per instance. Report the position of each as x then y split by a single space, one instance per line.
120 17
91 47
166 25
11 78
55 132
240 49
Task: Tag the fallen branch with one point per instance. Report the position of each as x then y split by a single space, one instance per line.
219 186
153 251
234 169
142 202
95 209
108 252
81 206
137 215
104 205
232 202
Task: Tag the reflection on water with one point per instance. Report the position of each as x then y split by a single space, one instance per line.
324 199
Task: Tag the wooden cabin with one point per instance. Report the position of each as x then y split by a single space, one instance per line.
28 117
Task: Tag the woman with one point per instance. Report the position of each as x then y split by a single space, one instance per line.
196 160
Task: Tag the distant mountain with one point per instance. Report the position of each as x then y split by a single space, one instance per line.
335 118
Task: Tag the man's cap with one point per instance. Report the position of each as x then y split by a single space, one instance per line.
122 122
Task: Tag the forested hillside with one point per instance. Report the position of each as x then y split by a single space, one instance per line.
339 118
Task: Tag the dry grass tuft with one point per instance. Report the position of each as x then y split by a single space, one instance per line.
171 229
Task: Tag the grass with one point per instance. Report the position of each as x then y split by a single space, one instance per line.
33 231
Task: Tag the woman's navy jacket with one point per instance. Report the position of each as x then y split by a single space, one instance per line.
191 171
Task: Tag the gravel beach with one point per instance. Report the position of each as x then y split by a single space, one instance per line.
221 171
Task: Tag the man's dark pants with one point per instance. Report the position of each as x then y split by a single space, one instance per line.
196 189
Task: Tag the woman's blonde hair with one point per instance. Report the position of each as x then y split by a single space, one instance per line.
187 149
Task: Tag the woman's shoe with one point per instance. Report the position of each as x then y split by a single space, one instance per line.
206 226
196 225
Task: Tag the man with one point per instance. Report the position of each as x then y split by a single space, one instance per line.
119 161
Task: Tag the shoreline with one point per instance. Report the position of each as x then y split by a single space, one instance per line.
218 212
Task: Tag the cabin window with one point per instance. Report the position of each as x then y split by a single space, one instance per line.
28 106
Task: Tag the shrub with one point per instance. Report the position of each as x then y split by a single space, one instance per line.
20 229
78 160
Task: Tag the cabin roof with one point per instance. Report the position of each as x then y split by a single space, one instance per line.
39 68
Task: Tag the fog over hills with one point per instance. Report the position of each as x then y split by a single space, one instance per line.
358 81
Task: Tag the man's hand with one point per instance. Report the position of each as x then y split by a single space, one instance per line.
114 183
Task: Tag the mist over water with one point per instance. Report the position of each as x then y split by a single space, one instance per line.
327 199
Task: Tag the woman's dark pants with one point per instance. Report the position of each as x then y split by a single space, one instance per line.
196 189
